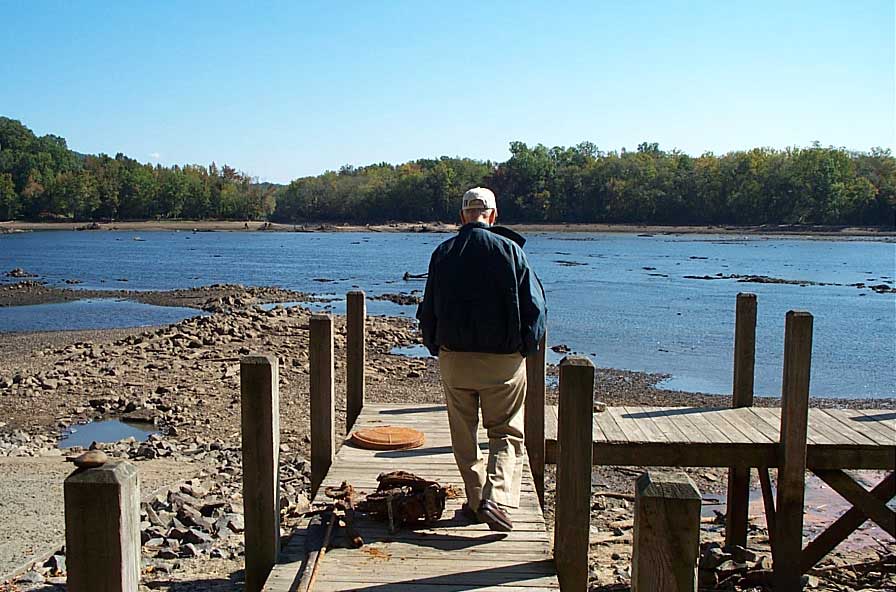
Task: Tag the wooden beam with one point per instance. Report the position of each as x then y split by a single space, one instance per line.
573 495
768 501
736 517
102 528
660 454
355 355
792 472
875 509
323 437
260 431
845 525
534 416
666 538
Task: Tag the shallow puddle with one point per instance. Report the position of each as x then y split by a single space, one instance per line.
416 350
111 430
101 313
823 506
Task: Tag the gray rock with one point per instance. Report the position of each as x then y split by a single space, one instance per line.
167 554
31 577
740 554
195 536
56 564
714 557
154 543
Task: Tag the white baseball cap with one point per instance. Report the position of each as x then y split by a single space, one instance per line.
479 198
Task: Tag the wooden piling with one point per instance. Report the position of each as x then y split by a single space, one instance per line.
573 496
787 547
736 520
102 529
260 431
323 439
666 541
534 416
356 355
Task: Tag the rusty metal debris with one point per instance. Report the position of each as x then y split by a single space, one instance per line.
341 513
404 498
345 503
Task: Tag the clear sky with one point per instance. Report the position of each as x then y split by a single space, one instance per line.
287 89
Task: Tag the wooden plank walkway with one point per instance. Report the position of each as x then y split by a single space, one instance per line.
453 554
725 437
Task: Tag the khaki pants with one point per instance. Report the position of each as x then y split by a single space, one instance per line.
497 384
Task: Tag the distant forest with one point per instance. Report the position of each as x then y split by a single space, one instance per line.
41 179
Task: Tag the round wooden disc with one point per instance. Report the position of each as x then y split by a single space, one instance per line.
388 438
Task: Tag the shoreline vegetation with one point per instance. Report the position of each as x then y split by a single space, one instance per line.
820 231
41 179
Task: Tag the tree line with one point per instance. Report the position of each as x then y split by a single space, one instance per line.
40 178
814 185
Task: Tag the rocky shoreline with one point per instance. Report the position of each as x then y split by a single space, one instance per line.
214 298
810 231
184 379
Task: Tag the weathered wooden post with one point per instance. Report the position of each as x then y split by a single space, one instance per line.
666 542
788 540
737 517
323 444
356 355
572 522
102 528
534 416
260 429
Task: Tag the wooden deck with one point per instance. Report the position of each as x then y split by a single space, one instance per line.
452 555
726 437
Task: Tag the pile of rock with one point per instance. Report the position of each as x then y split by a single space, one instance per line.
732 564
18 272
200 517
191 521
402 298
19 443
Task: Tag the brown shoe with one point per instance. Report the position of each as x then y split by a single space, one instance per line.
492 514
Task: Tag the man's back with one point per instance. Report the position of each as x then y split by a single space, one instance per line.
481 296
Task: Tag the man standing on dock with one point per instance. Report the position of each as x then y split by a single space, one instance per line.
483 311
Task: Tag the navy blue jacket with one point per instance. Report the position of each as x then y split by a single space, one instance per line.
481 295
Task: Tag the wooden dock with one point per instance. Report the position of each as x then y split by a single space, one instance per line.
748 438
451 555
456 555
726 437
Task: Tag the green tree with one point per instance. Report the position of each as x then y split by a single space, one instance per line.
9 200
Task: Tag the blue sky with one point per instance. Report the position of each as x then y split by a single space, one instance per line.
286 89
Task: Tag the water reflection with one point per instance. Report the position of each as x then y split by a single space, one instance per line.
102 313
111 430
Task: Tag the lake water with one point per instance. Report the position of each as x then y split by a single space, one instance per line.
602 301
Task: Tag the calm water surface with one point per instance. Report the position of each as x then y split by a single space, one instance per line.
100 313
602 300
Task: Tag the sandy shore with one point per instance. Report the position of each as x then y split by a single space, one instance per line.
255 226
185 378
